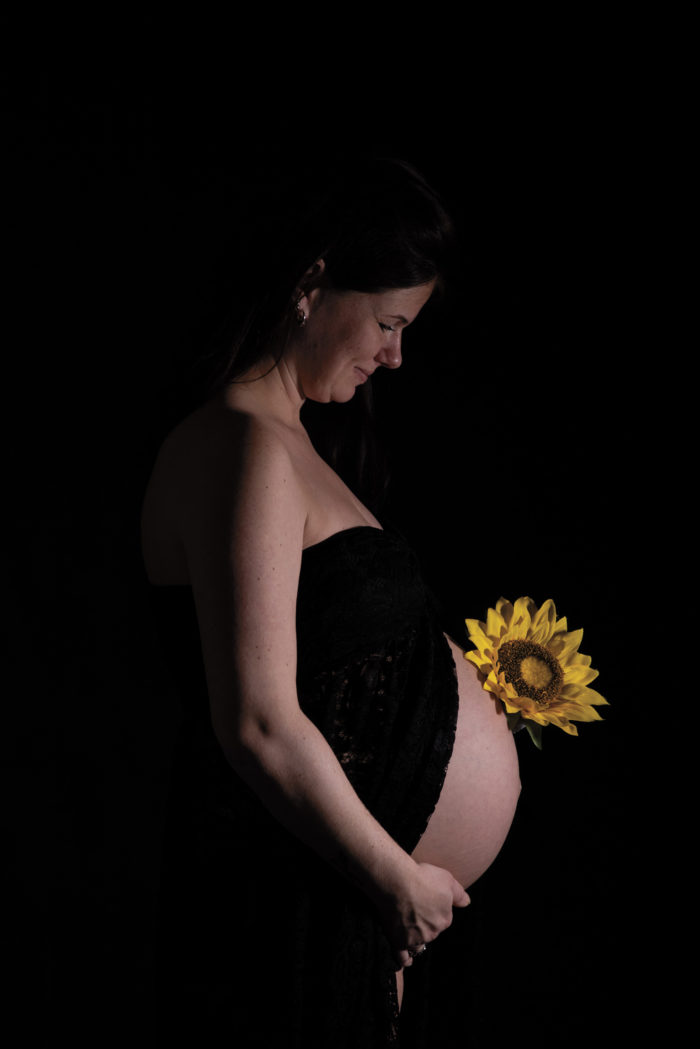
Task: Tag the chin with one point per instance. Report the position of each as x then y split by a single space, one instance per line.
339 393
333 397
343 399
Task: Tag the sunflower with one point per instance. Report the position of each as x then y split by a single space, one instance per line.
529 660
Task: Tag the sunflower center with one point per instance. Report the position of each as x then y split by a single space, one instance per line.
532 670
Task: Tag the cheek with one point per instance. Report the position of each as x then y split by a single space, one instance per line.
339 352
336 344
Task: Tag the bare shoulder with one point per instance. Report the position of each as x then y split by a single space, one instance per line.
222 477
214 440
220 455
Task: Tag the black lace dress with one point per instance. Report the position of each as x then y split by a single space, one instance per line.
261 943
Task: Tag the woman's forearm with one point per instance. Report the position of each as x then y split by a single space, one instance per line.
294 771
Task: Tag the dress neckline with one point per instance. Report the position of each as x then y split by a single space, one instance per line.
340 534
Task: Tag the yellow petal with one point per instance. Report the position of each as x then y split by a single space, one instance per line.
521 618
579 675
544 621
477 635
589 695
536 716
495 624
479 661
564 645
505 610
571 729
562 722
540 635
581 713
524 703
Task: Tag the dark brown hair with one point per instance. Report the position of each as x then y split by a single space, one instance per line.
375 222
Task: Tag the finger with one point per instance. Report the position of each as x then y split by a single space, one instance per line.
418 951
404 959
460 897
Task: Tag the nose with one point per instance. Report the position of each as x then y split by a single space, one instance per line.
390 354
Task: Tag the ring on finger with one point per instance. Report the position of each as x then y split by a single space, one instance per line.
418 949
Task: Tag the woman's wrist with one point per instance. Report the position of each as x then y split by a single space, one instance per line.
391 879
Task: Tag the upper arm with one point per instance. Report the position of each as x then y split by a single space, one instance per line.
242 529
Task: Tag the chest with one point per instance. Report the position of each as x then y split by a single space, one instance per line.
331 505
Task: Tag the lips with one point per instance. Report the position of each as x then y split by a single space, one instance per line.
365 374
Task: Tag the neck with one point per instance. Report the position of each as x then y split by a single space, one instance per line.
270 388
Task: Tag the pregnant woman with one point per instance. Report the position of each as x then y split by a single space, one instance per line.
340 777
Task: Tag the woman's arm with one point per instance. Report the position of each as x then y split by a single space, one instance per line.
242 526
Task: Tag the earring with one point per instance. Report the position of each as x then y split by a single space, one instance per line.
299 313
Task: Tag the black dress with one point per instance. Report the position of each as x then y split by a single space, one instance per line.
261 943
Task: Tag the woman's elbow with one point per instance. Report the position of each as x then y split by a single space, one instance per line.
249 741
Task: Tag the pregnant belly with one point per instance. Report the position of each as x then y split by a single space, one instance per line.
480 793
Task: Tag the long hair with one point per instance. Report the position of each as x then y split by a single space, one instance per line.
376 223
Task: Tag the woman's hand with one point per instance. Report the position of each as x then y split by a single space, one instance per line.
421 909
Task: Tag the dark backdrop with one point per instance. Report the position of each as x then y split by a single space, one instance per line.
517 443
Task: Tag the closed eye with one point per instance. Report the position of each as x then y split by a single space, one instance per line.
386 327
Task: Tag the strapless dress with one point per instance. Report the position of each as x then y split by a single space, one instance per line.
259 939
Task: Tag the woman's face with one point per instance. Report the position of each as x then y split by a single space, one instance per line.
348 335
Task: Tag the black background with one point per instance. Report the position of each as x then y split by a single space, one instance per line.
516 430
